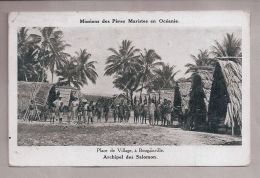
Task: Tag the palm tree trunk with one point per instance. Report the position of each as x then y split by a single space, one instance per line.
160 95
142 88
131 98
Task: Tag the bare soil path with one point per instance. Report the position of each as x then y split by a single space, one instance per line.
103 134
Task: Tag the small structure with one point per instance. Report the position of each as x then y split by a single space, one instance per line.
66 92
42 93
225 104
118 98
36 91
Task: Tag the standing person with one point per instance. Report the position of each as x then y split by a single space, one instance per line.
85 111
127 109
57 104
115 112
136 112
80 112
164 112
61 112
70 112
141 112
90 110
144 112
98 110
74 105
31 111
168 113
106 111
156 112
152 112
121 111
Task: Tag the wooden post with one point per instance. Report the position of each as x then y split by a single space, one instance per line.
232 128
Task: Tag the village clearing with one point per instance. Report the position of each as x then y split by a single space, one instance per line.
104 134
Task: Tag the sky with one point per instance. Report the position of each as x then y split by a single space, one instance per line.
174 45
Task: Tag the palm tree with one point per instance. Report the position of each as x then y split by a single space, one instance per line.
26 41
53 46
68 75
86 69
125 65
123 60
29 68
201 60
150 61
128 82
230 47
77 71
166 76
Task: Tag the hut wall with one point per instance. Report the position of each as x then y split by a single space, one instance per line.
197 103
25 92
65 93
185 88
232 79
206 78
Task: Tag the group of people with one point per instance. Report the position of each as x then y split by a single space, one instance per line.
156 112
82 111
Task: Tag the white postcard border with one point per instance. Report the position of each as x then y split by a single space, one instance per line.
87 155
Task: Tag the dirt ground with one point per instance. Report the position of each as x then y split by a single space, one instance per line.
103 134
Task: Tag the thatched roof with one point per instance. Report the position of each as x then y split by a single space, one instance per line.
184 87
232 73
206 78
26 91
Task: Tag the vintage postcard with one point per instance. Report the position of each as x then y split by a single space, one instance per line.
129 88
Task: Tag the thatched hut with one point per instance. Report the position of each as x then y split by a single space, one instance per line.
43 94
27 91
225 105
67 93
199 97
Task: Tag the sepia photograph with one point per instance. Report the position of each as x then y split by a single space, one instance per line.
135 85
79 86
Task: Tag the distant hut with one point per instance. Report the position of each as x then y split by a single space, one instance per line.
164 94
118 98
95 98
199 96
225 105
67 93
27 91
